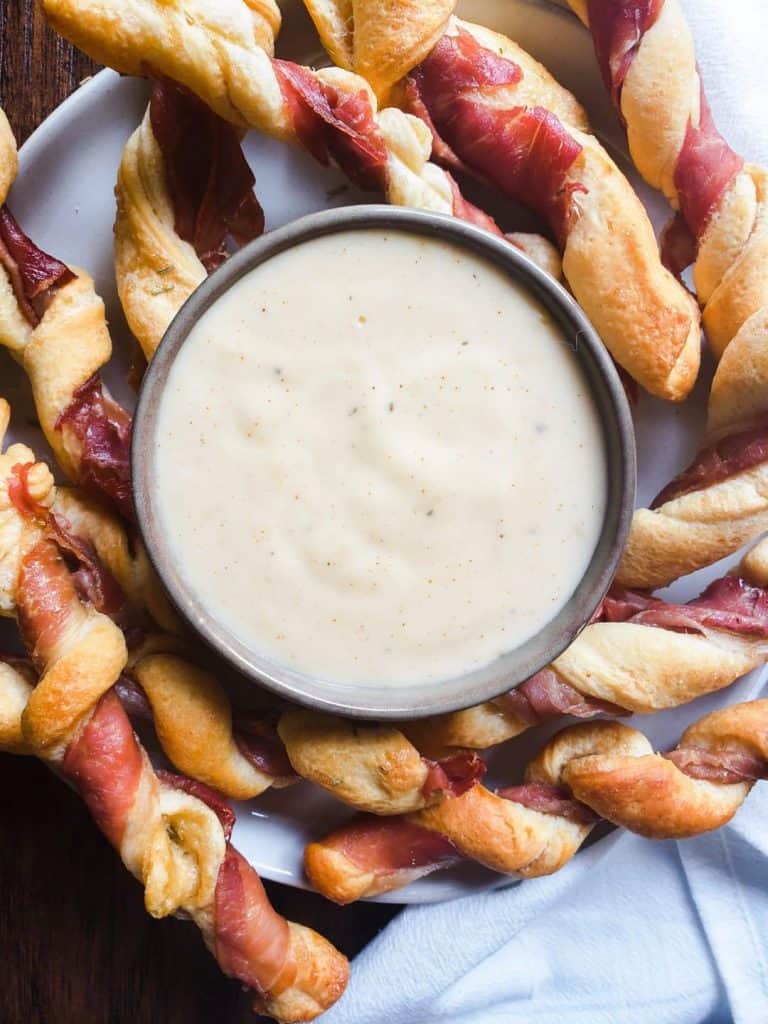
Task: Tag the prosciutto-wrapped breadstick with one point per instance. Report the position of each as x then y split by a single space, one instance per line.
171 833
694 788
372 767
647 57
498 115
720 502
589 770
53 323
183 187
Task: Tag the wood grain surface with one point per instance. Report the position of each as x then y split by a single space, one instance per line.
76 946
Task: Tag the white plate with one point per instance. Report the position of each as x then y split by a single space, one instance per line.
64 200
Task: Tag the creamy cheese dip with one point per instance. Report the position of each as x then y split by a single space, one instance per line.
378 461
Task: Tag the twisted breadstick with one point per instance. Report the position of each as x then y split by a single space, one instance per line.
648 61
372 767
171 833
182 188
53 323
497 114
694 788
647 57
720 502
605 768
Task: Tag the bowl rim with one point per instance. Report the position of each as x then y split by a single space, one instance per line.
507 671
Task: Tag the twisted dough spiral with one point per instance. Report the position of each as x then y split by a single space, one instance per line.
171 833
498 114
648 60
722 200
60 337
156 270
604 767
695 528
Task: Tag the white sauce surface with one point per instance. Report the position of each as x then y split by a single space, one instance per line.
378 461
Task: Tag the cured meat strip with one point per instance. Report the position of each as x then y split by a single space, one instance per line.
207 176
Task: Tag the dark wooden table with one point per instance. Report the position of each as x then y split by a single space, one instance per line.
76 946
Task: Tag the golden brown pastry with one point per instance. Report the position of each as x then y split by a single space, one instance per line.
647 57
694 788
383 41
497 114
53 323
590 769
372 767
171 833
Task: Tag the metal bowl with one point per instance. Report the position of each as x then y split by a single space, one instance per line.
506 671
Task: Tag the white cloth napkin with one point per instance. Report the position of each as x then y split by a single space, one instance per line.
631 930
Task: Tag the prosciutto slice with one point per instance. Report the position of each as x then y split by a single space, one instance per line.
617 26
719 765
46 597
729 604
453 775
549 799
705 168
334 126
251 940
384 846
34 275
105 764
718 462
258 741
526 152
103 429
208 177
94 583
547 695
